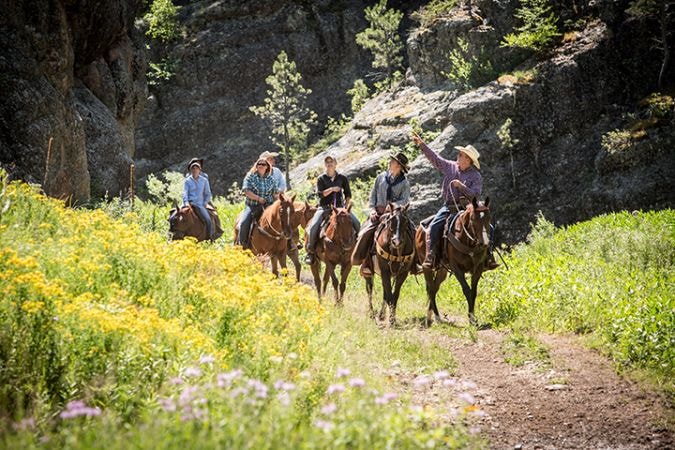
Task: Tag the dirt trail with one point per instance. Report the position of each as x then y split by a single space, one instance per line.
578 401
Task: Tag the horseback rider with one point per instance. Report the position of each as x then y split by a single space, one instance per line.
391 186
462 181
331 187
277 174
197 193
260 190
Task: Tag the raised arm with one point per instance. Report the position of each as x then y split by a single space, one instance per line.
443 165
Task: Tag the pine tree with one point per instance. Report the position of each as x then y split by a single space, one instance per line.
539 30
381 38
664 12
285 110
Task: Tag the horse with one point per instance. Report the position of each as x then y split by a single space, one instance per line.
184 221
302 214
272 232
464 250
394 256
335 248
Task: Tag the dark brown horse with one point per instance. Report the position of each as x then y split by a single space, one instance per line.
394 256
270 235
302 214
185 222
335 248
464 250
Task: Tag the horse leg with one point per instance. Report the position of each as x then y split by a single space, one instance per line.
282 263
316 274
433 283
275 269
327 275
386 291
400 279
344 274
293 254
467 293
474 293
369 291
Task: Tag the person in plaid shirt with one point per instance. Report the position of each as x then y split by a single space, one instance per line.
260 190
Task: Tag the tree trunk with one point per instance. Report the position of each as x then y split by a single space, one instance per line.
287 154
665 18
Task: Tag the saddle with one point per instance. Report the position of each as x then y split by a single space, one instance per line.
325 221
218 231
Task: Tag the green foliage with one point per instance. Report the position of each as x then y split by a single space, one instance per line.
162 71
381 38
432 11
616 141
613 276
359 94
660 106
468 71
508 142
285 109
539 30
520 349
639 8
169 191
335 129
162 20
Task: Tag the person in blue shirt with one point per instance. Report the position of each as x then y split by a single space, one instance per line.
277 174
260 190
197 193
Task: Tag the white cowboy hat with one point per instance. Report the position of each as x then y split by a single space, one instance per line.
471 152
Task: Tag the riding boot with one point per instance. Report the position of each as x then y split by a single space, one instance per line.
490 262
430 256
367 267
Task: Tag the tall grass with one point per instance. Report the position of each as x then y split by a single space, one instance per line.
113 337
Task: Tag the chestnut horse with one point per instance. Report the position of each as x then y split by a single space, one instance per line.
185 222
464 250
335 248
394 256
271 234
302 214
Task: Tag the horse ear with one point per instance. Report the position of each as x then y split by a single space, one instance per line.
487 201
293 198
474 202
405 208
307 205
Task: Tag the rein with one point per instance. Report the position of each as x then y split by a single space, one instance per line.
279 235
385 254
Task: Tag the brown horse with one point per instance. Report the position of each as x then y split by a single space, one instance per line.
272 232
185 222
335 248
394 256
464 250
302 214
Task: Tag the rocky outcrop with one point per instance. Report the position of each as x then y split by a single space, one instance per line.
223 59
73 83
558 117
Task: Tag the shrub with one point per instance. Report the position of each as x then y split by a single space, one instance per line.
432 11
162 20
539 30
466 70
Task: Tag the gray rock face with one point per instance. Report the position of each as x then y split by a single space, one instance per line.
73 73
559 166
225 56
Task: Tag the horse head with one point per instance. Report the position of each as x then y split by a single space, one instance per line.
303 213
478 223
340 228
286 213
181 221
395 224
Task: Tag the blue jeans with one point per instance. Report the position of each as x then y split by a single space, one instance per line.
437 225
315 227
246 221
203 214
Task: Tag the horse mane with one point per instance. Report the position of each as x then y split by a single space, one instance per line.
333 221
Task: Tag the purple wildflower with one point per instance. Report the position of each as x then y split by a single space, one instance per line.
329 409
357 382
466 397
284 386
422 380
469 384
342 372
450 382
324 425
24 424
177 381
167 404
78 408
225 379
441 375
206 359
335 388
191 372
385 398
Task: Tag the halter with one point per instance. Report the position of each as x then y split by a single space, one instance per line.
385 254
279 235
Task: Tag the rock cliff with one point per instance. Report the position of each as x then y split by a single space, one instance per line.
584 89
73 83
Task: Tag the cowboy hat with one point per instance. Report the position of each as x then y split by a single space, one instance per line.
401 159
267 154
198 161
471 152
